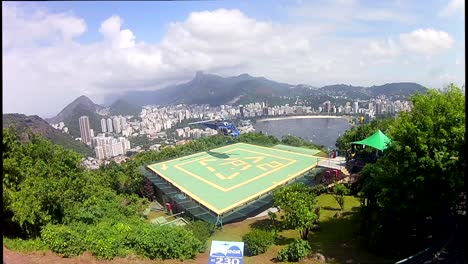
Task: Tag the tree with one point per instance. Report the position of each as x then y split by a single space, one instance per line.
411 189
339 192
298 203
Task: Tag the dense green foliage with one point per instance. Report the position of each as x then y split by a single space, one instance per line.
409 192
258 241
298 202
295 251
201 230
21 245
51 199
65 240
165 242
48 195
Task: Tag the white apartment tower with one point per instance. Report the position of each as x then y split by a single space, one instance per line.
116 123
123 122
100 154
109 125
103 125
84 130
356 107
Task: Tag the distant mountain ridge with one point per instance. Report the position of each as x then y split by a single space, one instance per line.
402 89
82 102
22 123
84 106
216 90
81 106
209 89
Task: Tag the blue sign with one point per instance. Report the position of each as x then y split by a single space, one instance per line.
226 252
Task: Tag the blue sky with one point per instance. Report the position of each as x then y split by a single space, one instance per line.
99 48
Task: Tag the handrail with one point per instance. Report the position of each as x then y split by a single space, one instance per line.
427 253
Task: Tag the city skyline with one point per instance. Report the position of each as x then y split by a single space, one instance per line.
147 45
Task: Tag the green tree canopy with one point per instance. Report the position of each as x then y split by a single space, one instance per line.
411 189
298 202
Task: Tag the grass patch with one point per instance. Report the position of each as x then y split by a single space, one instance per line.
339 239
20 245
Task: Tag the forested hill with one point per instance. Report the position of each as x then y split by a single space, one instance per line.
215 90
34 123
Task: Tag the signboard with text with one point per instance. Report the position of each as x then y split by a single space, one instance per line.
226 252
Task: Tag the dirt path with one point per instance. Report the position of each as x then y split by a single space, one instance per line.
12 257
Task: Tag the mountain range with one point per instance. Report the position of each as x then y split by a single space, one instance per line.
216 90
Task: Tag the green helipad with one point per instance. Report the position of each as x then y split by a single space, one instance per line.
225 178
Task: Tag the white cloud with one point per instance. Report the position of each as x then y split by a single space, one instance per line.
111 29
352 11
454 7
385 48
226 42
21 29
426 41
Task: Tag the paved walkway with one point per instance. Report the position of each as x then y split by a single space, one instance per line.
265 213
334 163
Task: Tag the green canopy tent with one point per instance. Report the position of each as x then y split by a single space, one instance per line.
378 140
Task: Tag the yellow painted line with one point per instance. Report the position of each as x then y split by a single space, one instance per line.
210 169
259 176
201 178
254 196
204 157
272 165
246 167
219 175
164 166
198 199
274 149
265 154
203 162
195 154
256 159
235 174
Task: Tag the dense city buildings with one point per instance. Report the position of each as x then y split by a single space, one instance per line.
169 124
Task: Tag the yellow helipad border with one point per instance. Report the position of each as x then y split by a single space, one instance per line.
245 200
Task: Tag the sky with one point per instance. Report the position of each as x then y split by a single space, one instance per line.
54 52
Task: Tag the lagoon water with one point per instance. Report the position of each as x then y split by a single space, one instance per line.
320 131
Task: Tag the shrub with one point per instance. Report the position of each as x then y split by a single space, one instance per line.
318 189
201 230
63 240
18 244
165 242
258 241
107 240
295 251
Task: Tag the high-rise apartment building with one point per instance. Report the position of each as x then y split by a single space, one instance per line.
103 125
109 125
123 122
356 107
100 154
84 130
116 123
